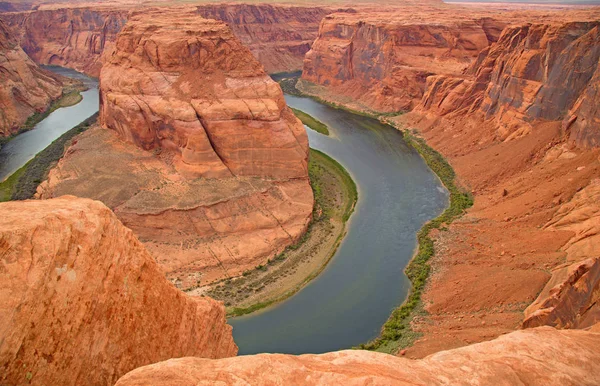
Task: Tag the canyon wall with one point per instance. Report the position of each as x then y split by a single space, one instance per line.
75 37
381 60
519 127
203 159
84 303
68 37
541 356
25 88
278 36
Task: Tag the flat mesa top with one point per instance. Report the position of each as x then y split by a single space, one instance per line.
174 22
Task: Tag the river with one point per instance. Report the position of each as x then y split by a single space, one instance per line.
25 146
351 299
349 302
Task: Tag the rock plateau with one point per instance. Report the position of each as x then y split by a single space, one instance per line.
204 161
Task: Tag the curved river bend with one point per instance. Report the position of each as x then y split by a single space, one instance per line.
25 146
351 299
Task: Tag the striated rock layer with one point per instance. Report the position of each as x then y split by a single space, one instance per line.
230 121
25 88
75 36
203 159
382 59
519 129
542 356
84 303
68 37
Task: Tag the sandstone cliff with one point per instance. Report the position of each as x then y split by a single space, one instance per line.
84 303
382 59
75 36
204 161
279 36
25 88
542 356
68 37
519 128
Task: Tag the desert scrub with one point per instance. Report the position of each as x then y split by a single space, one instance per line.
397 331
311 122
321 168
22 184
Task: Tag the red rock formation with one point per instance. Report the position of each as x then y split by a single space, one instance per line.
25 88
69 37
278 36
541 356
184 88
84 303
382 60
231 121
519 129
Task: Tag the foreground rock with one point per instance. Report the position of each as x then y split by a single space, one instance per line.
25 88
83 302
542 356
204 160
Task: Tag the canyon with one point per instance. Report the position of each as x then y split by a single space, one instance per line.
210 172
26 89
197 153
75 36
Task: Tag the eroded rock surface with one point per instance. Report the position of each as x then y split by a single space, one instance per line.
75 36
509 127
541 356
382 59
83 302
25 88
186 84
201 157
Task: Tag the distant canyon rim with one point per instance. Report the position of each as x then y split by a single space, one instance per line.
198 170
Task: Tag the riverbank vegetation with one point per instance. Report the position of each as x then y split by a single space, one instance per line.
282 276
71 95
396 332
311 122
22 184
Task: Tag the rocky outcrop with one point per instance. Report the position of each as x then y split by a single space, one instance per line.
68 37
382 59
84 303
203 160
279 36
542 356
75 36
25 89
534 72
232 121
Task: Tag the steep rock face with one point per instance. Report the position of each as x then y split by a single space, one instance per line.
204 162
382 60
232 121
510 126
69 37
83 302
534 72
25 88
542 356
278 36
